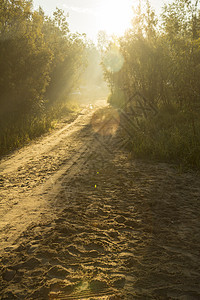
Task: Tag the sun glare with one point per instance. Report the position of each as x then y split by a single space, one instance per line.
115 16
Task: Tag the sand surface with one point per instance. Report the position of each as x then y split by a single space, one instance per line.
80 220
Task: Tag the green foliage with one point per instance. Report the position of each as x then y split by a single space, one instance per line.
117 98
40 63
169 136
162 64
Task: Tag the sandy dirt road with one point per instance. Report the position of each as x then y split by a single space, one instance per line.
79 220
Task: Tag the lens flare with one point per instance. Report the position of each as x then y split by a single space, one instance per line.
106 121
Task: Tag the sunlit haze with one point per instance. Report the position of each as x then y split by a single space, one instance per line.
114 16
91 16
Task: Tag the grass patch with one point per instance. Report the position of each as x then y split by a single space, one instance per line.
170 136
16 132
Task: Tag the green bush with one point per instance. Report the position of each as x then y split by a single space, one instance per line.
40 63
169 136
117 98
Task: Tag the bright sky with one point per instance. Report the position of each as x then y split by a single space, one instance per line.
90 16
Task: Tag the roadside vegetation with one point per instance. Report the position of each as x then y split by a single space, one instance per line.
41 62
154 72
